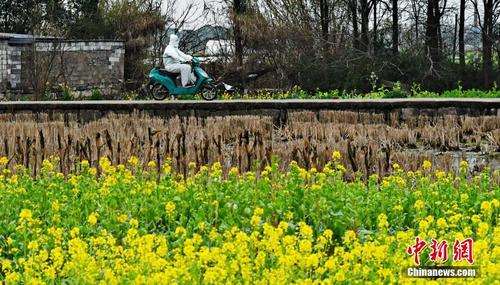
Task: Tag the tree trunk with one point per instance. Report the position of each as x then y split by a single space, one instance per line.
432 29
325 21
461 33
375 27
365 19
395 27
487 63
417 37
487 35
455 39
238 9
354 16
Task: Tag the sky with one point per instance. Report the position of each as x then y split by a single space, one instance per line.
197 19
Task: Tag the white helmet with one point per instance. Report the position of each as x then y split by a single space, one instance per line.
174 40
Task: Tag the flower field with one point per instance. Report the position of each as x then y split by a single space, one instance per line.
128 224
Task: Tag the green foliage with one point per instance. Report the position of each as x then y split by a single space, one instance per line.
67 93
380 93
96 94
131 95
396 92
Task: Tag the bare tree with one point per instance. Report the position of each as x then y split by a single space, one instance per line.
238 9
417 8
487 21
324 7
395 27
44 55
353 8
433 27
461 35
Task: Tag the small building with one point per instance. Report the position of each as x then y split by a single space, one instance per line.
31 64
195 41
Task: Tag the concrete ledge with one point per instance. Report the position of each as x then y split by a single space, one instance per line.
247 105
389 111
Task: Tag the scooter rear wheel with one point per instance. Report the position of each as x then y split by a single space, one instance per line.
209 92
159 92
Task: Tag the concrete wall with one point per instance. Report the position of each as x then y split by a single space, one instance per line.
82 65
391 110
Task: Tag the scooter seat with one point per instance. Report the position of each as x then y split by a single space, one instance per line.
164 72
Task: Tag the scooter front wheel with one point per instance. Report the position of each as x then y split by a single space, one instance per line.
159 92
209 92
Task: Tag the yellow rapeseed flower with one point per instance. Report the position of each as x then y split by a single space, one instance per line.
92 171
258 211
122 218
133 160
463 164
3 160
419 204
441 223
341 168
85 163
475 219
234 171
423 225
305 230
170 208
328 234
486 208
25 215
180 231
337 156
255 221
133 223
92 219
482 229
440 175
426 165
74 232
12 278
382 221
349 237
464 197
47 165
33 245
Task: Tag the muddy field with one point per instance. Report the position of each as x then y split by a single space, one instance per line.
369 143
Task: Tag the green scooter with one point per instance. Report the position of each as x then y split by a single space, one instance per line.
163 83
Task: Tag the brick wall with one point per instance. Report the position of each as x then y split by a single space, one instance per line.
82 65
3 68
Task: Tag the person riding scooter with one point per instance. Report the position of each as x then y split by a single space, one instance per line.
174 61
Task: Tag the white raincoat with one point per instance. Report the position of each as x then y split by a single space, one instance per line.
172 58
